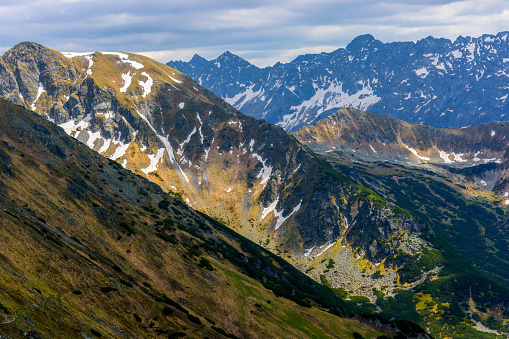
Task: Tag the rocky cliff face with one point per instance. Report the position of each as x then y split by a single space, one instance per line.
433 81
160 124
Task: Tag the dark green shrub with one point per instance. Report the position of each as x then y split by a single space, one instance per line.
167 238
167 311
96 333
164 204
176 210
193 251
108 289
220 330
330 264
128 228
204 263
194 319
126 283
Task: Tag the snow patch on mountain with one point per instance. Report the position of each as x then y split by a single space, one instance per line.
40 90
125 58
240 99
327 246
281 219
120 150
456 157
127 77
266 170
269 209
422 72
175 80
415 153
92 137
154 161
71 126
146 85
167 145
308 251
328 98
186 141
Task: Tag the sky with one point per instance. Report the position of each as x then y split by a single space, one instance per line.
262 32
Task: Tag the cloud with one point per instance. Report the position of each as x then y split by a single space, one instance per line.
262 31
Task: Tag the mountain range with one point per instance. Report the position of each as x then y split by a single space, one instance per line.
343 228
433 81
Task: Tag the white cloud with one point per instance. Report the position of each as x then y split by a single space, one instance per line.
262 31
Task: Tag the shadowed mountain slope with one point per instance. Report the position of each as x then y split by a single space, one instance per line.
89 249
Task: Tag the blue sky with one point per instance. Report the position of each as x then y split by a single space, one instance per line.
262 32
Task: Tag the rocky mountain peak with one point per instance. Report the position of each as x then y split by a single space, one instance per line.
362 42
432 81
229 60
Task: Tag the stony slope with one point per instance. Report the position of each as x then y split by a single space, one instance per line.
89 249
433 81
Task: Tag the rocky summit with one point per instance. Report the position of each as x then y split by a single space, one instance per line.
253 177
433 81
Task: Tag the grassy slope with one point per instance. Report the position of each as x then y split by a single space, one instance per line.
86 248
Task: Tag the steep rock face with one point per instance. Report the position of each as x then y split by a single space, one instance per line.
433 81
